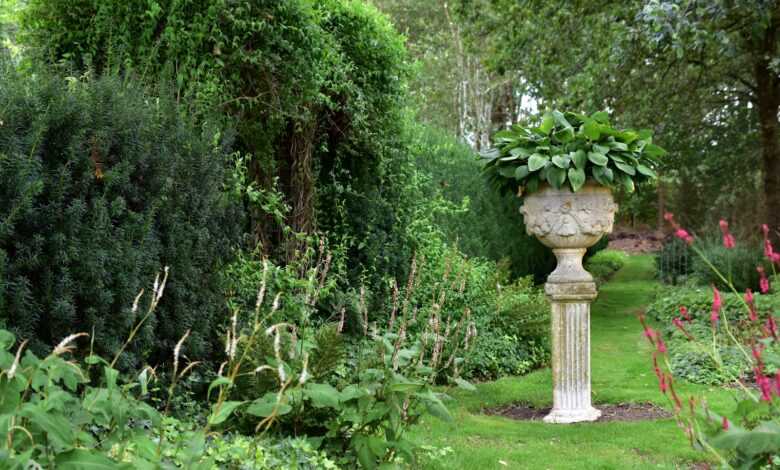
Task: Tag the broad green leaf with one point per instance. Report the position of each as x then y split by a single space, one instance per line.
219 381
579 158
600 149
626 181
556 176
576 178
537 162
591 129
81 459
617 145
267 405
7 340
645 171
598 158
654 150
561 161
601 117
521 152
322 395
506 171
560 119
565 135
521 172
548 122
57 428
220 415
377 445
626 168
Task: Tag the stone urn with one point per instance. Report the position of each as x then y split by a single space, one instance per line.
569 223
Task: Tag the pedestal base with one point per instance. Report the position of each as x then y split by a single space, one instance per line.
572 416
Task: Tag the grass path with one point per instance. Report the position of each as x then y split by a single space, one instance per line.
621 373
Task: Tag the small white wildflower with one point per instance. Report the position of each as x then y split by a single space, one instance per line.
275 305
177 351
15 365
341 320
262 368
63 347
162 285
305 373
137 299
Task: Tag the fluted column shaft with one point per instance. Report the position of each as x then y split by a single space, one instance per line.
571 291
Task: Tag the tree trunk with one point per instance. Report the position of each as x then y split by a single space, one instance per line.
768 104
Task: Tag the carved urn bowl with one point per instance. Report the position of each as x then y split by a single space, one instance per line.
569 223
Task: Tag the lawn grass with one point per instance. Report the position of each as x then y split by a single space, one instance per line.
621 373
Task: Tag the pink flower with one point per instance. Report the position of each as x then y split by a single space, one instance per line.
763 281
728 241
776 258
662 383
649 333
764 384
725 424
771 325
684 313
661 346
765 229
679 324
749 299
683 235
757 354
669 217
769 250
717 303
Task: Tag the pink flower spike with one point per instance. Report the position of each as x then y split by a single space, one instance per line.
763 282
777 382
684 313
679 324
728 241
757 354
749 296
769 250
765 229
717 303
669 217
683 235
776 258
772 326
724 226
661 346
725 424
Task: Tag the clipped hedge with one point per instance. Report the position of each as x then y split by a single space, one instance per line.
100 187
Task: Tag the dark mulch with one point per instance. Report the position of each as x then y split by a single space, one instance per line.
621 412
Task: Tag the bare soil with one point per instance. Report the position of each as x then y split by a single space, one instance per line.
621 412
635 241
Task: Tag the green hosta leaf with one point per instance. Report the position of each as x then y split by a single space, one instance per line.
506 171
625 168
322 395
565 135
532 185
537 162
521 152
591 129
646 171
580 158
617 145
556 176
490 154
560 119
561 161
600 149
7 340
522 172
576 178
626 181
224 411
598 158
654 150
603 175
601 117
548 122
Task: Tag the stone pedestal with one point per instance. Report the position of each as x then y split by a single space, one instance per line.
569 223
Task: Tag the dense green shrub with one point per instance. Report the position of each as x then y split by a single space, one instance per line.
674 262
692 363
316 91
100 187
737 265
605 263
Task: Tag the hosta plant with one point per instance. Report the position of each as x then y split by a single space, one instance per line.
567 150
